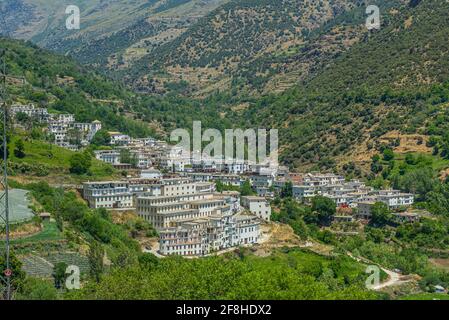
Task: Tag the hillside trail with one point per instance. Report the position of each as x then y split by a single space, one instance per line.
394 278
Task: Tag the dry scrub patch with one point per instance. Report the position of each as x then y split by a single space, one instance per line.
440 263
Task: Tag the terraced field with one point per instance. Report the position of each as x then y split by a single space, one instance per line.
41 265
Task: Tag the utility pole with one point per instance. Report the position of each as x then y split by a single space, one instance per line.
5 271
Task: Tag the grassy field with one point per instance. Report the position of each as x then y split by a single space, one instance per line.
56 160
305 261
426 296
425 161
50 232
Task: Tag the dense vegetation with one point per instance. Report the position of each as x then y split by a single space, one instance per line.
32 156
335 108
381 84
292 274
407 246
286 274
392 80
61 85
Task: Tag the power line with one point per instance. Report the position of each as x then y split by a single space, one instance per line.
6 273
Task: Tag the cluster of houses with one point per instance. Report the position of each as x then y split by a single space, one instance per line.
191 217
63 127
149 152
182 203
351 194
266 180
142 153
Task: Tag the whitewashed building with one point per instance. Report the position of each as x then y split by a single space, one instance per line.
108 156
258 206
180 199
39 114
207 235
119 194
395 199
119 139
150 174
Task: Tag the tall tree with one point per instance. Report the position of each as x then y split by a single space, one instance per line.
380 214
19 150
246 189
101 138
80 163
59 274
325 208
96 254
287 190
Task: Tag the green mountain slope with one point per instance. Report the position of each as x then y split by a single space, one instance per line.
59 83
257 46
111 31
349 102
394 79
235 36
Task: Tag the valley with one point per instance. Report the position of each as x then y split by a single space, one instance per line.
362 116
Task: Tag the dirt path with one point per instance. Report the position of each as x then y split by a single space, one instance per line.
394 278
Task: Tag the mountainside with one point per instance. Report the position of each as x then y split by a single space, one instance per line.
59 83
197 46
111 32
391 85
354 92
255 45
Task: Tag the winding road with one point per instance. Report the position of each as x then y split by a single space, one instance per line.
394 278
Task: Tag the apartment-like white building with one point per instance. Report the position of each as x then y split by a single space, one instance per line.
322 179
247 229
164 212
304 192
39 114
348 193
394 198
108 156
180 202
265 181
236 167
258 206
207 235
119 194
207 164
108 194
231 198
143 159
119 139
87 129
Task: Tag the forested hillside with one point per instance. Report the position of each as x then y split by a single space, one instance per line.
113 33
388 86
261 46
58 83
394 81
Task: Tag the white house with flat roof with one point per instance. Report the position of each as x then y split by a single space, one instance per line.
150 173
199 237
108 156
180 200
258 206
395 199
118 194
119 139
